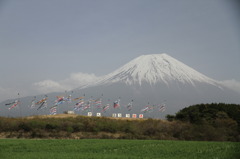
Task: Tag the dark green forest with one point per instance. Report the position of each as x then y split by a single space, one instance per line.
203 122
202 113
220 119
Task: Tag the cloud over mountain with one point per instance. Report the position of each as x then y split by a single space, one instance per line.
75 80
232 84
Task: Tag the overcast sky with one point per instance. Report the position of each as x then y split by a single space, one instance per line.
49 45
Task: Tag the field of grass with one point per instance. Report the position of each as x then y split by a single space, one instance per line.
117 149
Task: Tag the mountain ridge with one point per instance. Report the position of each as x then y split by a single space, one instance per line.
152 69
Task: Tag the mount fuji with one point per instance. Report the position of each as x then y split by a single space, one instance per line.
159 78
153 69
147 80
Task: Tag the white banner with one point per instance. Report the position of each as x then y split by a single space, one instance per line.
119 115
89 114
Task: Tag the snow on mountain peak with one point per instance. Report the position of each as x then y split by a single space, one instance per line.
155 68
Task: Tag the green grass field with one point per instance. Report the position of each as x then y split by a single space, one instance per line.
117 149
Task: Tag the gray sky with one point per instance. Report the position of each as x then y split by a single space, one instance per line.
50 43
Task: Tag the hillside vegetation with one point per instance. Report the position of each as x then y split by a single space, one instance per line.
205 122
216 119
202 113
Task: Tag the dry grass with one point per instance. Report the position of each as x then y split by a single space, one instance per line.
76 115
54 116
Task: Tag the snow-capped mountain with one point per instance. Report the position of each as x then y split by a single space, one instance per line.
155 68
156 78
146 80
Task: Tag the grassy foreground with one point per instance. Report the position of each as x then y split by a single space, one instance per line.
117 149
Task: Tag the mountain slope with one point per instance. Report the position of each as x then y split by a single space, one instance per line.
155 68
